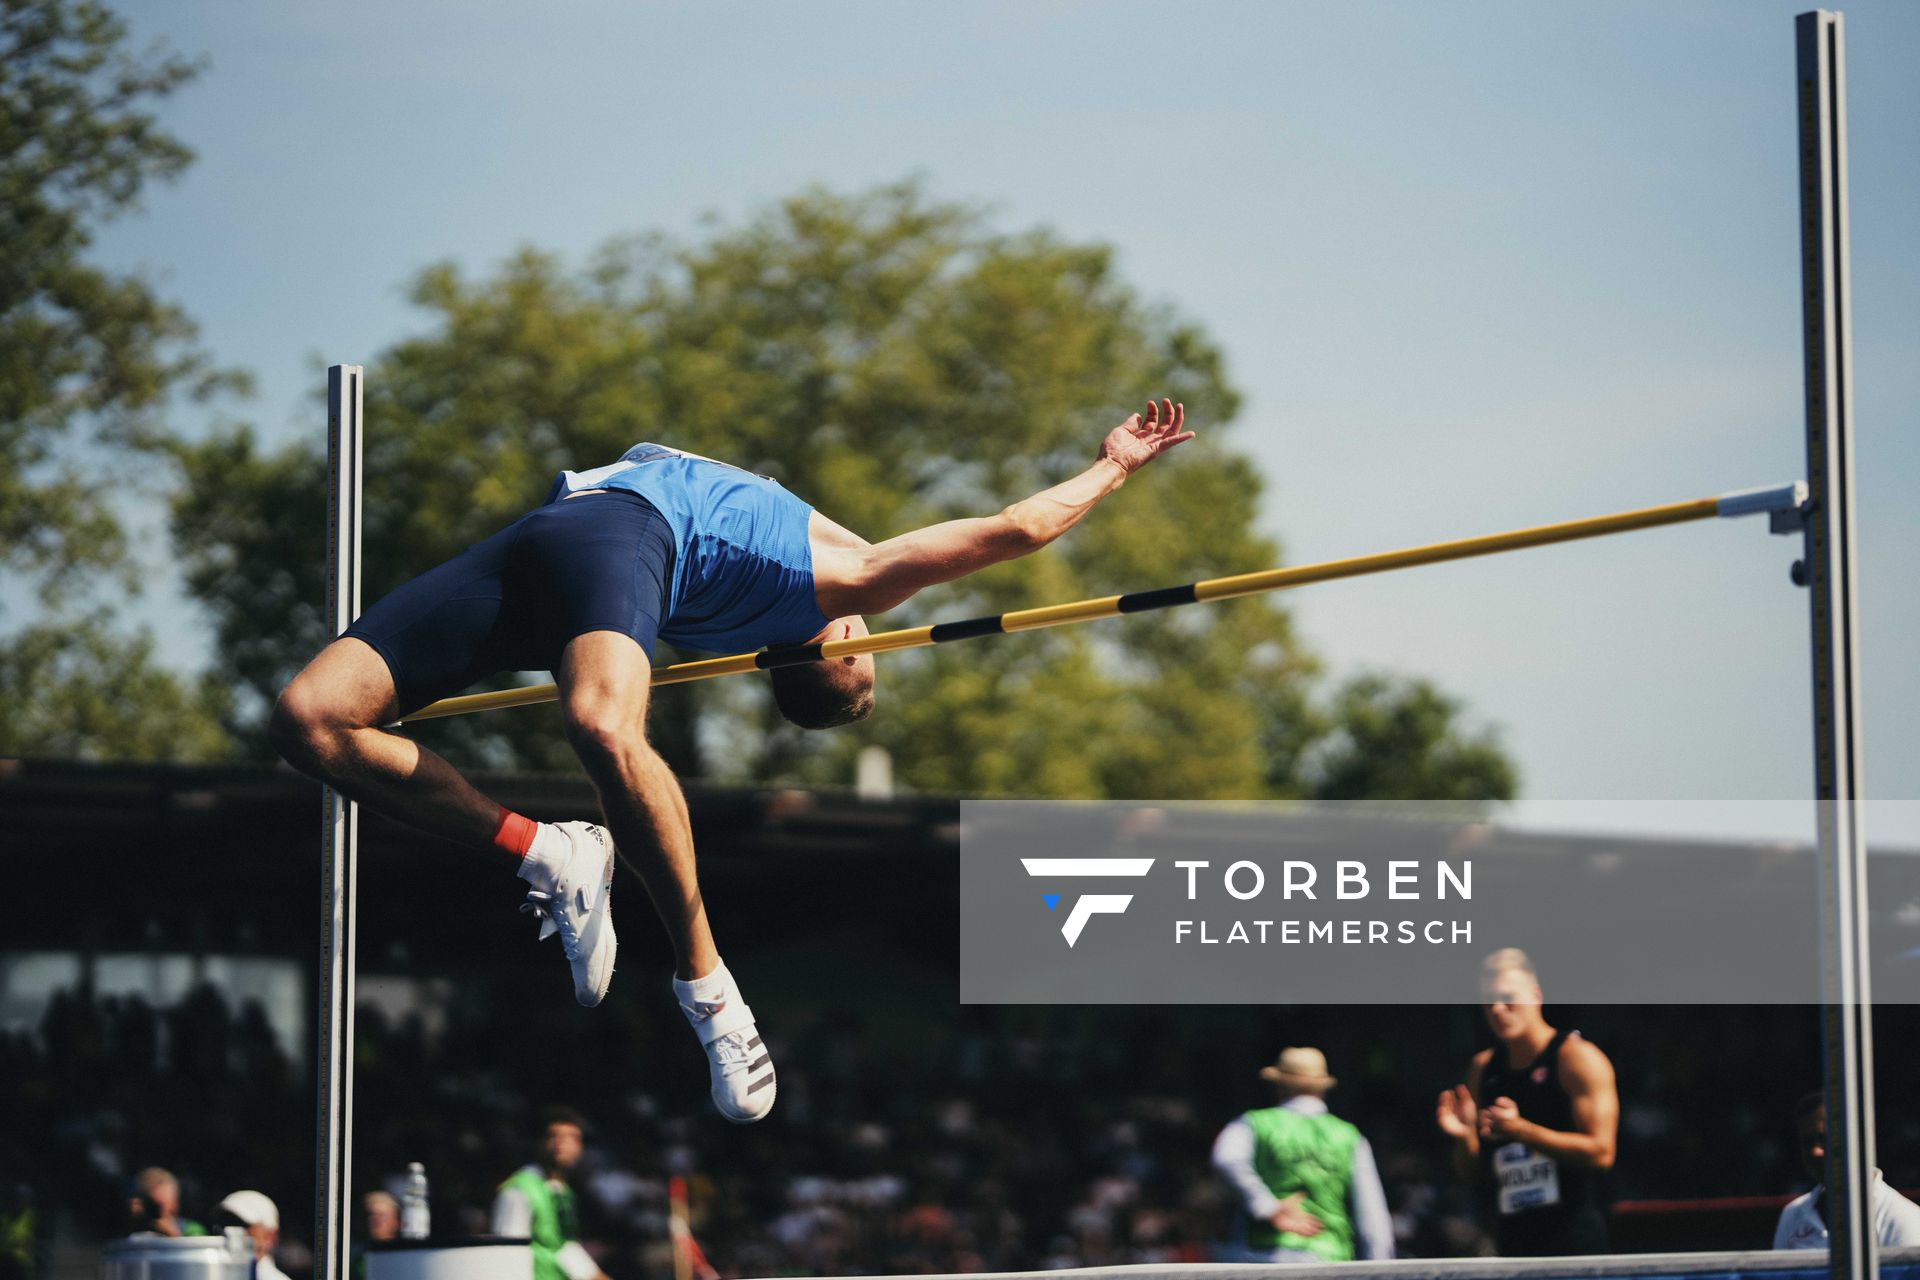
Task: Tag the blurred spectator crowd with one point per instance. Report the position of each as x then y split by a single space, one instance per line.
946 1140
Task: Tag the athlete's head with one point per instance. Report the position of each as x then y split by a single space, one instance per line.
1512 992
1810 1128
562 1138
821 695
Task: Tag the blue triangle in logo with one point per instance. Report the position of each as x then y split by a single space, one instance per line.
1051 899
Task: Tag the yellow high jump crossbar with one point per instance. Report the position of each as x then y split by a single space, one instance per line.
1784 502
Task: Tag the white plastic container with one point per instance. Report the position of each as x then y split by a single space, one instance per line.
148 1256
473 1259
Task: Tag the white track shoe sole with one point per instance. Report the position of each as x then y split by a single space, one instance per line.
740 1073
580 909
739 1067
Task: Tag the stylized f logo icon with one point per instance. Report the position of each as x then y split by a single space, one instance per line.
1091 904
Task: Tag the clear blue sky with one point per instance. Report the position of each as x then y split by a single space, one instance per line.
1475 266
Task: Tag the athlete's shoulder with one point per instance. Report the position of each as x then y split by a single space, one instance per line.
1582 1057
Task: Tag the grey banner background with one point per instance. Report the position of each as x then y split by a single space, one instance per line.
1606 920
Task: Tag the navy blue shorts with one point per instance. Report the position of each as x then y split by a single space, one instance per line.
598 562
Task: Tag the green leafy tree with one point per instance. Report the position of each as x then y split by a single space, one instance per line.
88 361
97 696
893 360
1400 740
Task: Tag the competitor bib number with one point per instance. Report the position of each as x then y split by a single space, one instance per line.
1527 1179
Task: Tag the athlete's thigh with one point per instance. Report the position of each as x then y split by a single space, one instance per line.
605 681
447 628
346 683
600 562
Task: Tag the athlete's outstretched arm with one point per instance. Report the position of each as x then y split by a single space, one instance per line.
886 573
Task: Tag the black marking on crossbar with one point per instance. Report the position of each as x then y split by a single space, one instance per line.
967 628
787 655
1158 598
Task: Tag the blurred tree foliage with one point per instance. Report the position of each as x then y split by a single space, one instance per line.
88 362
97 696
894 361
1399 740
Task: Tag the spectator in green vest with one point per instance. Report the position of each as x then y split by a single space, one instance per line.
537 1203
156 1205
1306 1178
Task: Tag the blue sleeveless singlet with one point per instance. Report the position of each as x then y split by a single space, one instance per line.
742 566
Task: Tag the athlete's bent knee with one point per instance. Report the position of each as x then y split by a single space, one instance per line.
606 736
304 728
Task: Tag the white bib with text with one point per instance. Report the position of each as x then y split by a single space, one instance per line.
1528 1180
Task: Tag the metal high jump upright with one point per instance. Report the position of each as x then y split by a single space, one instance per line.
339 852
1829 572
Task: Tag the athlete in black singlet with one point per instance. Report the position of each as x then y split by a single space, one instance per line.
1535 1124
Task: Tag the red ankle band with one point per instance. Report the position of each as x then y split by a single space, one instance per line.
514 834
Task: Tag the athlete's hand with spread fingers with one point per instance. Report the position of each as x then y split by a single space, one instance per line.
1144 437
1499 1118
1288 1216
1456 1113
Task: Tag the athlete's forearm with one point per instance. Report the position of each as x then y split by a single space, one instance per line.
894 570
1466 1158
1574 1148
1051 512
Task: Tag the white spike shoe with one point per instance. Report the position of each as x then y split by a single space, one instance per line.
739 1068
579 907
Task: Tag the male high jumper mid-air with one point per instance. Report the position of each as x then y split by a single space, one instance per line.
659 545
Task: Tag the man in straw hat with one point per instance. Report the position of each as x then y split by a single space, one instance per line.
1534 1125
659 545
1305 1176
